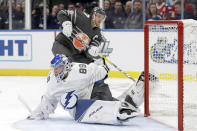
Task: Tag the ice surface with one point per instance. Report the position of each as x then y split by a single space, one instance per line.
13 113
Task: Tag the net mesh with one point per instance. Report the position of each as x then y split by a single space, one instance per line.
163 57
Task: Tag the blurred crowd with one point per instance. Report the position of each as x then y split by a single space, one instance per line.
129 15
120 14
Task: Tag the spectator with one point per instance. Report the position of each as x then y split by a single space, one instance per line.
90 6
23 6
39 9
2 20
18 2
37 17
52 22
152 12
170 3
71 6
112 3
187 14
18 18
18 13
79 6
135 19
127 8
187 6
162 9
116 17
36 3
193 3
107 5
61 6
5 16
94 4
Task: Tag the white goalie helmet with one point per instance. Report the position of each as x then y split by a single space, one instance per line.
60 65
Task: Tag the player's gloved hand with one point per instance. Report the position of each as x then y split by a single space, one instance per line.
93 51
101 62
67 28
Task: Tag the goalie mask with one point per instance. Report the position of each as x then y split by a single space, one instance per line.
97 16
60 65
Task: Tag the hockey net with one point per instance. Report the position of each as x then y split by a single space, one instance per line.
171 50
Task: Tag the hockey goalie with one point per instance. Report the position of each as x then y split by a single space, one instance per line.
71 84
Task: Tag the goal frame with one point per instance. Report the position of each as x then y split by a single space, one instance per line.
180 87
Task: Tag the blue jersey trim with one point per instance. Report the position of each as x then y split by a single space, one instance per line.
98 82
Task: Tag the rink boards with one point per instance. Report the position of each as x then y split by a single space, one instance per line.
29 52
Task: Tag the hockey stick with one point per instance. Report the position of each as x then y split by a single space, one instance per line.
99 54
20 98
128 76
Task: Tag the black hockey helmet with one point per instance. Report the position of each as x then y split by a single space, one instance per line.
94 12
98 10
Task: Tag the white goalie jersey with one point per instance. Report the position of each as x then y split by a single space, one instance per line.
80 79
74 92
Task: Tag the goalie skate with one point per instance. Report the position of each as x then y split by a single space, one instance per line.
126 112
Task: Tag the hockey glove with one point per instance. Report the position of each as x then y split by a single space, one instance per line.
101 61
67 28
93 51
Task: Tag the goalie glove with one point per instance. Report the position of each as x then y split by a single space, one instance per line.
93 51
67 28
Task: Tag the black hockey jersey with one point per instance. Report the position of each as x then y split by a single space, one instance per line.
81 23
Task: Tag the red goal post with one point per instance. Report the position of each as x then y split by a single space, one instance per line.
164 45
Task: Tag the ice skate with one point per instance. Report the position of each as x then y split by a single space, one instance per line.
127 112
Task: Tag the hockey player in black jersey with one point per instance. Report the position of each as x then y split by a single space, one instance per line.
79 26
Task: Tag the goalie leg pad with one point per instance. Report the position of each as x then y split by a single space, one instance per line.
97 111
135 96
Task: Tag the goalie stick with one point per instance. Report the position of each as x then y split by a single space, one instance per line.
21 99
100 55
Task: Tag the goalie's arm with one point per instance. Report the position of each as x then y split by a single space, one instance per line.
98 72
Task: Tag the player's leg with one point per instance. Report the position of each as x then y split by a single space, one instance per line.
101 91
